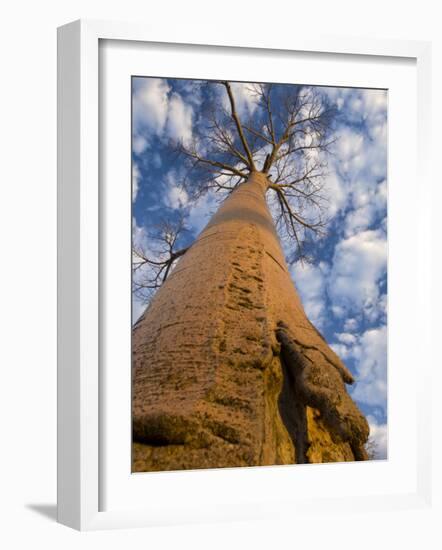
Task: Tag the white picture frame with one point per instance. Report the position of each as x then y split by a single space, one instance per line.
79 367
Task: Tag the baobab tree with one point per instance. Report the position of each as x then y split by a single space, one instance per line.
227 368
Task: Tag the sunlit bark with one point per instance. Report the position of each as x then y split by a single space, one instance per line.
227 368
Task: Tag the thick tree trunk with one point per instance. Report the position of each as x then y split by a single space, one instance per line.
227 369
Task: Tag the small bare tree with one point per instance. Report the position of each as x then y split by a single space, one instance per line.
151 264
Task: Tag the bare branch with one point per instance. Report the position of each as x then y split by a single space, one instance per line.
292 215
150 269
235 117
214 163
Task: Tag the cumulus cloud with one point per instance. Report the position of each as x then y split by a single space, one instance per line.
335 194
135 181
359 219
341 350
356 183
370 204
360 105
179 119
350 149
359 164
351 324
160 111
370 354
150 104
175 196
310 282
359 263
139 144
192 90
378 438
139 235
346 338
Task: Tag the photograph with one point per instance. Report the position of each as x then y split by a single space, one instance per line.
259 273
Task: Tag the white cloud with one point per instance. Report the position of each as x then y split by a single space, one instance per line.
359 262
179 119
351 324
310 282
369 200
359 220
367 105
151 104
360 159
369 193
139 144
379 437
161 111
354 186
176 197
375 105
338 311
349 148
346 338
335 193
359 164
370 354
193 91
341 350
362 154
135 181
139 236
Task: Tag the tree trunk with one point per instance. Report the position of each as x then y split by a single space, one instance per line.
227 369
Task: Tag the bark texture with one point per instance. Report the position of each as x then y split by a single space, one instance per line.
227 369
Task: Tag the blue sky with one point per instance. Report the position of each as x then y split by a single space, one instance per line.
344 287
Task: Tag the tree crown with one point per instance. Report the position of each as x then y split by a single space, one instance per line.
286 135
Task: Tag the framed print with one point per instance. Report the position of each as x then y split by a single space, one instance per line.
233 260
232 186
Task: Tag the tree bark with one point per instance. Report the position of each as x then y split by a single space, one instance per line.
227 368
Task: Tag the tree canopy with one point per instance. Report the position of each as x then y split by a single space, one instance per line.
287 137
